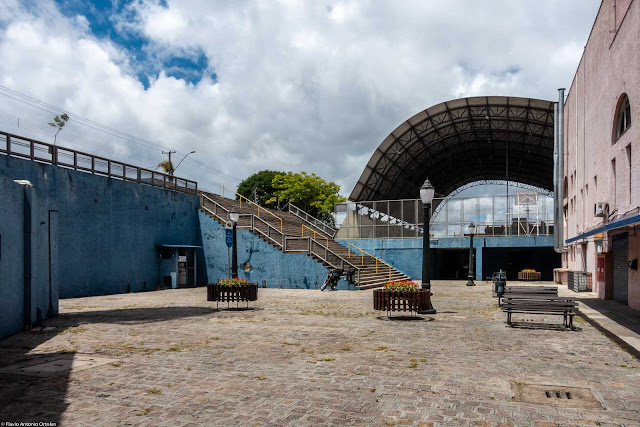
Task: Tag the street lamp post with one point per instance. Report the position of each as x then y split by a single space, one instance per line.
470 276
426 195
185 156
234 217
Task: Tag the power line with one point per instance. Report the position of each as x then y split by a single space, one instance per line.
35 103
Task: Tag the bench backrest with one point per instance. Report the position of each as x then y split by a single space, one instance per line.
543 290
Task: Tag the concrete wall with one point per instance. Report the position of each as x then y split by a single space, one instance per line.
107 228
11 257
269 265
406 254
609 68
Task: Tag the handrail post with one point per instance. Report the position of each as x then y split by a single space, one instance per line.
54 157
75 160
9 145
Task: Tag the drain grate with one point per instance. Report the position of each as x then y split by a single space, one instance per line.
560 396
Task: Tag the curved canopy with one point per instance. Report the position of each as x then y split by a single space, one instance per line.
462 141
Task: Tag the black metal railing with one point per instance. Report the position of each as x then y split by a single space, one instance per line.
27 148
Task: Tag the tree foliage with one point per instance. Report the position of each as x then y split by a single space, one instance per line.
262 183
309 192
58 123
166 166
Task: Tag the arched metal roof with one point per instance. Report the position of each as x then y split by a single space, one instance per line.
462 141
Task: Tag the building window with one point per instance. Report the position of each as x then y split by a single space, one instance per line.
623 117
613 180
630 170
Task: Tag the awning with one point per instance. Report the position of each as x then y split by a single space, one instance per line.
623 222
178 246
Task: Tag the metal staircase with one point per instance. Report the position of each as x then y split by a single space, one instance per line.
295 231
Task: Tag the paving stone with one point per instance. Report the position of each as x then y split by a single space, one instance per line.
303 357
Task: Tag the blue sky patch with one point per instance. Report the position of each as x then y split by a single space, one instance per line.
100 15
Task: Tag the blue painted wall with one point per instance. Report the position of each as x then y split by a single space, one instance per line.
107 228
11 257
277 269
406 254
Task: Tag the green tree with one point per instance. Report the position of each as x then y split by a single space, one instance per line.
261 183
309 192
58 123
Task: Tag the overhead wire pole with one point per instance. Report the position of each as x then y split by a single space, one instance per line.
171 169
33 102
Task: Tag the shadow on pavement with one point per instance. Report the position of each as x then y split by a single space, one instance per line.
38 399
620 313
543 326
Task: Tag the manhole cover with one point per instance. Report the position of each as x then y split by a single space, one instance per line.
55 365
555 395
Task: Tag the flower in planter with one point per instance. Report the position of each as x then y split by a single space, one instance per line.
401 285
528 270
232 282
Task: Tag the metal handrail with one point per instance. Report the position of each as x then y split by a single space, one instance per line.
326 258
283 244
216 205
321 225
253 203
268 233
54 152
372 256
315 233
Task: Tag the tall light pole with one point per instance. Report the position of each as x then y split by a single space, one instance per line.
426 195
185 156
234 217
471 275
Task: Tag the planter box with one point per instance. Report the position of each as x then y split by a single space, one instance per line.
419 300
229 293
529 276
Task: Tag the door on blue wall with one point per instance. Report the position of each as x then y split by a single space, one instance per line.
186 267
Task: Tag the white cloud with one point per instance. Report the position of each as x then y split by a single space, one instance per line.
312 86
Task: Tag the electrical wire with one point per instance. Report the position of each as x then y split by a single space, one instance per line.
35 103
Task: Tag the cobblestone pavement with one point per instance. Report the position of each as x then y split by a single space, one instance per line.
305 357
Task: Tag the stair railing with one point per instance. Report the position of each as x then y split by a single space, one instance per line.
324 256
252 203
278 238
315 222
204 199
315 234
363 252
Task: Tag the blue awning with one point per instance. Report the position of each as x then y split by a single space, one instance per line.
623 222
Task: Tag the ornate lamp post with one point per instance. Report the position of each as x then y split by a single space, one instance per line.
234 217
471 275
426 195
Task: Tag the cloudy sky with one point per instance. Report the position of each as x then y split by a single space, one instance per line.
282 84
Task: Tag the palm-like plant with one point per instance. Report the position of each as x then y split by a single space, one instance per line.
166 166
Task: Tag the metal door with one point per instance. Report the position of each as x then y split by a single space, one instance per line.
182 268
620 268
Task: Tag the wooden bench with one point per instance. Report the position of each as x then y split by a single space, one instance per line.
529 290
540 304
